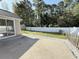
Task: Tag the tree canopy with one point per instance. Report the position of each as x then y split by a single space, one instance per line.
63 14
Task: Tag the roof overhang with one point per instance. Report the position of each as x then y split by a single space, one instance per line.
9 18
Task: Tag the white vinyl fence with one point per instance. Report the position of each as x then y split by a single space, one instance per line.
72 33
51 29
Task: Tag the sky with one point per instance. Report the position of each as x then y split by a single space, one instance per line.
7 4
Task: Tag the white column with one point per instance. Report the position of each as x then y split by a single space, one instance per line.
17 27
14 27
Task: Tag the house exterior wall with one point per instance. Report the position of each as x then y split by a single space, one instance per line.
9 29
17 27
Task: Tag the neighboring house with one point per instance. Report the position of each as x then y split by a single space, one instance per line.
9 24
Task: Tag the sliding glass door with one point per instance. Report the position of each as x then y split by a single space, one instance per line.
6 28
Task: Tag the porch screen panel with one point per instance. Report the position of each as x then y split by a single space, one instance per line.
6 28
3 31
10 27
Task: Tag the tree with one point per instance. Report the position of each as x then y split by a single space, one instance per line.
76 9
25 11
61 7
39 8
76 20
63 14
67 2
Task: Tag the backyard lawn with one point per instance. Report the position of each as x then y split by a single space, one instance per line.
54 35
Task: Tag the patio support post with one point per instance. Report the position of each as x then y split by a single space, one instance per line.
6 27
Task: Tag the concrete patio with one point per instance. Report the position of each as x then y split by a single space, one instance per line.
31 48
48 48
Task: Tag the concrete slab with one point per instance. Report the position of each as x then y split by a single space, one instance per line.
46 48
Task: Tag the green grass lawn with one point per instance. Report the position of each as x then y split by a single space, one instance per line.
54 35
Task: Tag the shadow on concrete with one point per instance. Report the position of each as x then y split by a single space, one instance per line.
15 47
